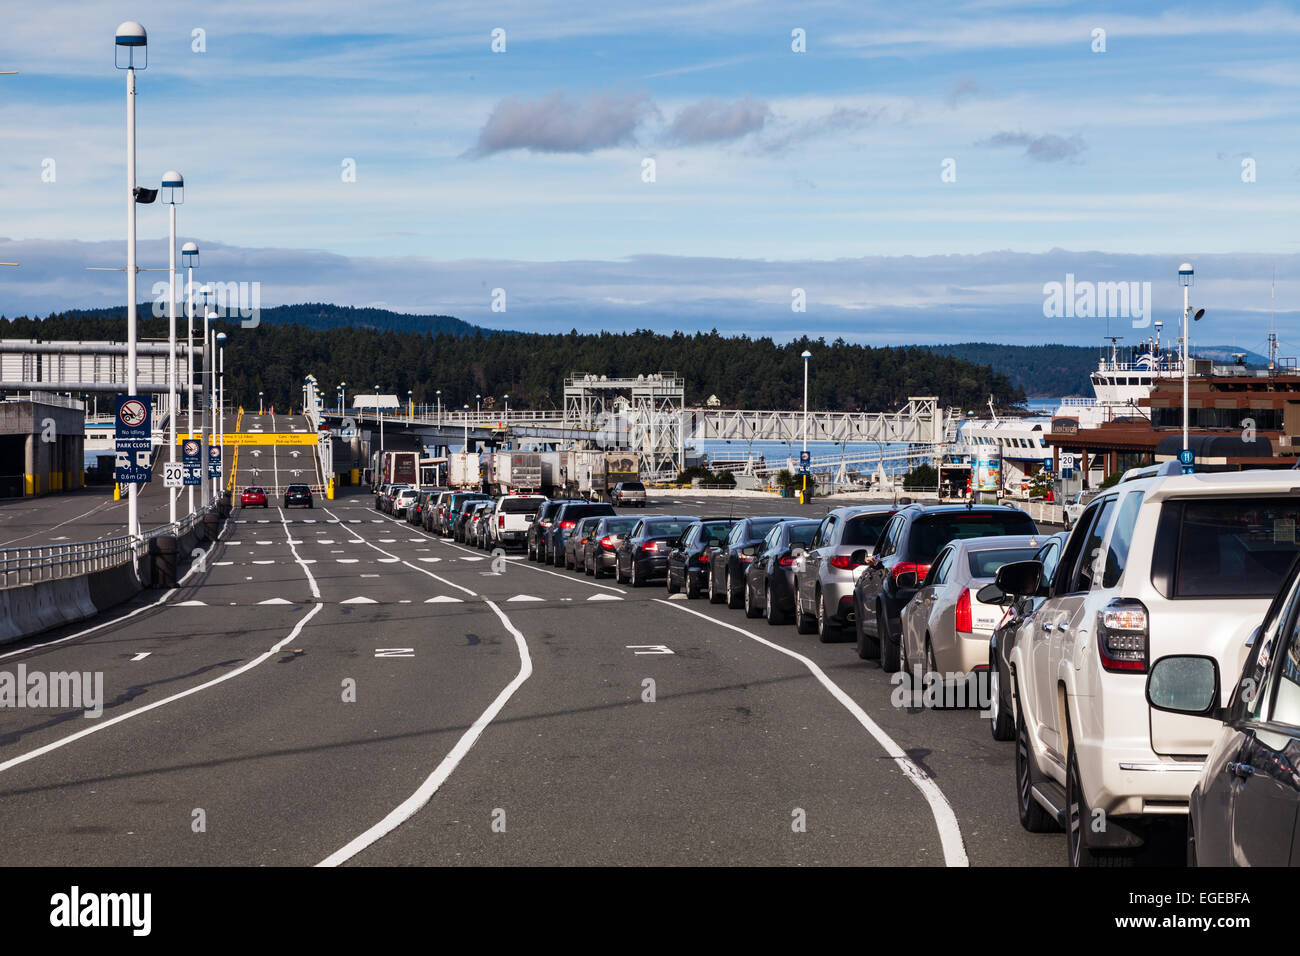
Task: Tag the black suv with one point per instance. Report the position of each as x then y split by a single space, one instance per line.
907 545
298 495
729 563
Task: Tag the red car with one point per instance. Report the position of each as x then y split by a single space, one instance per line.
253 496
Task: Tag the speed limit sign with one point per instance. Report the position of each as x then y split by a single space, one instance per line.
173 474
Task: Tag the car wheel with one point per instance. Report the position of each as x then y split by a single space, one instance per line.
931 669
1079 820
803 623
772 612
618 572
868 646
589 567
635 578
672 586
692 585
568 565
734 601
827 632
1000 723
1032 815
752 609
888 645
714 596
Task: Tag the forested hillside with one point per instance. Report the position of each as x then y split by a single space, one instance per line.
742 372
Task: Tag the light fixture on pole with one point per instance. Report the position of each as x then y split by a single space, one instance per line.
259 404
410 407
130 38
206 427
506 417
1186 276
173 194
190 259
478 406
439 394
381 420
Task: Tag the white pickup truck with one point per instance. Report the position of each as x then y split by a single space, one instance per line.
510 520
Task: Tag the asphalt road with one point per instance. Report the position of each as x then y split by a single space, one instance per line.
334 685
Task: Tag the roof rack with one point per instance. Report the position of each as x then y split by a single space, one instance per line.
1173 467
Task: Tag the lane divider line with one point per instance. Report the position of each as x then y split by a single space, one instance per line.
64 741
424 793
414 567
954 850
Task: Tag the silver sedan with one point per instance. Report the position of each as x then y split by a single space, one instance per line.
824 576
946 628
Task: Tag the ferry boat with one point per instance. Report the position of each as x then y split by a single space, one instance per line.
1005 452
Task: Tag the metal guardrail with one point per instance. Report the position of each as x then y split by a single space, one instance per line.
32 565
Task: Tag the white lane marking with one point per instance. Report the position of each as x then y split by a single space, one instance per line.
264 562
424 793
359 600
143 654
102 504
431 560
348 561
311 580
393 651
642 649
64 741
604 597
197 603
414 566
388 541
444 599
954 851
274 601
261 542
568 577
325 541
523 597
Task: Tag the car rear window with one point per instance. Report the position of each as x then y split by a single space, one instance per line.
715 529
931 532
759 529
521 506
620 525
1230 548
985 564
633 486
667 527
574 512
802 534
863 531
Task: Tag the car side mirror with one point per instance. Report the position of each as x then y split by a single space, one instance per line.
992 594
1019 578
906 580
1185 684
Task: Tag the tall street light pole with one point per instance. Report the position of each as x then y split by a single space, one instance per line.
221 404
1185 276
173 194
190 257
803 468
130 37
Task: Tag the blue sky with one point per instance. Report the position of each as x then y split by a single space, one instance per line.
774 170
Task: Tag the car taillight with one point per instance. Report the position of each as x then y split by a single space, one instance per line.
842 561
501 521
904 566
786 561
566 525
964 624
606 543
1122 631
704 557
650 546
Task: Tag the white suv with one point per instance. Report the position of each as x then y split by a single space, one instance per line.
1162 564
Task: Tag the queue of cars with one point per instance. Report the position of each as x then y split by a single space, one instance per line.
1145 662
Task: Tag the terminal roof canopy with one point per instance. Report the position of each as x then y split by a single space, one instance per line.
375 401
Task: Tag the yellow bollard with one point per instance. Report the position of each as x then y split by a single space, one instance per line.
117 491
329 490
